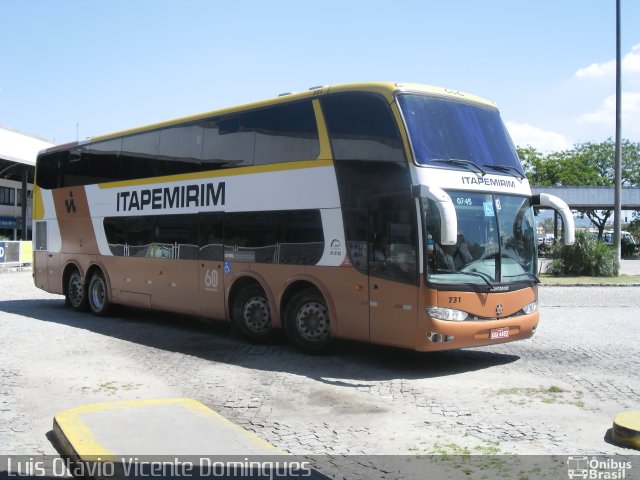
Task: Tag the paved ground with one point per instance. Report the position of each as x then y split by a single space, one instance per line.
555 393
630 266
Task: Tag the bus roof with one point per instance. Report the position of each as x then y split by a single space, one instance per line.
386 89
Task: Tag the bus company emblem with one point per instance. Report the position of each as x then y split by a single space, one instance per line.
70 203
489 182
499 309
336 247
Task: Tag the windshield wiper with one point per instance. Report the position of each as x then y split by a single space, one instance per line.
506 168
484 277
459 161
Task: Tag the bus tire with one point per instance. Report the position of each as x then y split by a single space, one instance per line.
307 322
251 314
76 295
98 295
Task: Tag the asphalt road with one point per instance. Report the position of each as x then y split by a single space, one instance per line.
556 393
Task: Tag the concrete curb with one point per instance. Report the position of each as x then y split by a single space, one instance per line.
626 429
174 426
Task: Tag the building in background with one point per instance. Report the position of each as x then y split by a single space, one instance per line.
18 154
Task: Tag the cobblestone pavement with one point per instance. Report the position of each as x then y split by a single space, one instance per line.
555 393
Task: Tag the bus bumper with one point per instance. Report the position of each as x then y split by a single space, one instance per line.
437 334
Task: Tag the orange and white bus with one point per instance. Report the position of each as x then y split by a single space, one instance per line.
395 214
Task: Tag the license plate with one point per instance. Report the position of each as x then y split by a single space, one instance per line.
502 332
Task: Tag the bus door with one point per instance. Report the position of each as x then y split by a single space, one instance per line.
211 266
41 256
393 272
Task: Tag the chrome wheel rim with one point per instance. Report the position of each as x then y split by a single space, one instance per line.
98 293
312 321
76 290
256 315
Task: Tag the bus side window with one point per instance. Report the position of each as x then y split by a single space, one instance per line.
138 156
362 127
392 238
224 145
286 133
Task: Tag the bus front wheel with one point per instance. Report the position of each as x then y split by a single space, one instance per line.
76 292
252 315
307 322
98 295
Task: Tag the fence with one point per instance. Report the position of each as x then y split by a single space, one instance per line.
15 254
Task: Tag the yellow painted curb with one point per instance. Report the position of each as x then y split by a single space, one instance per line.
626 429
77 441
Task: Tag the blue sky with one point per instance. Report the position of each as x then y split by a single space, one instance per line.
110 65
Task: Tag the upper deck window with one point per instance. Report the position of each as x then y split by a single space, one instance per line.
443 129
361 127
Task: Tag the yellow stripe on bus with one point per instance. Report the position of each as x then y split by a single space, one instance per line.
323 135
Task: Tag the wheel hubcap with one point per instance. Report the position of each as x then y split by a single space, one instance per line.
76 290
256 315
97 295
312 321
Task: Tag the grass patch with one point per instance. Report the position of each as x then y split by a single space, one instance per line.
549 395
547 279
112 388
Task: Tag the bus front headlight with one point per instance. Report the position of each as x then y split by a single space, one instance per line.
448 314
532 307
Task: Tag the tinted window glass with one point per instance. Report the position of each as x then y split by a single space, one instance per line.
76 169
301 239
392 239
138 156
443 129
49 169
139 236
211 237
115 232
180 149
357 184
103 160
176 236
284 133
225 144
250 237
361 127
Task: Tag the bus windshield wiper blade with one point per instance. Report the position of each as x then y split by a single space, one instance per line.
459 161
473 274
506 169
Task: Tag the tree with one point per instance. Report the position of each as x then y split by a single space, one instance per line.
586 164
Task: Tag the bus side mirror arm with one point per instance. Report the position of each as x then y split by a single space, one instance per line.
448 216
546 200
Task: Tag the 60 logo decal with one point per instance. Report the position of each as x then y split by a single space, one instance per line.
211 280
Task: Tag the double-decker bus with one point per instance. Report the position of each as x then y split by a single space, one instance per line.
396 214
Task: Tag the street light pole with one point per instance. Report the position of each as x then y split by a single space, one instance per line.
618 152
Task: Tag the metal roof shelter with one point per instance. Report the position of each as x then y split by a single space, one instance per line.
593 198
18 153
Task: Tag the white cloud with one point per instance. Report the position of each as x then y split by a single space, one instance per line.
545 141
606 114
630 67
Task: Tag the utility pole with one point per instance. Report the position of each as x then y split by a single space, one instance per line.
617 212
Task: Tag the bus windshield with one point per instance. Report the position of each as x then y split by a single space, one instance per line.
496 240
454 132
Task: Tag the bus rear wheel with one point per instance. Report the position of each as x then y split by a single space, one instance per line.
252 315
98 295
307 322
76 292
